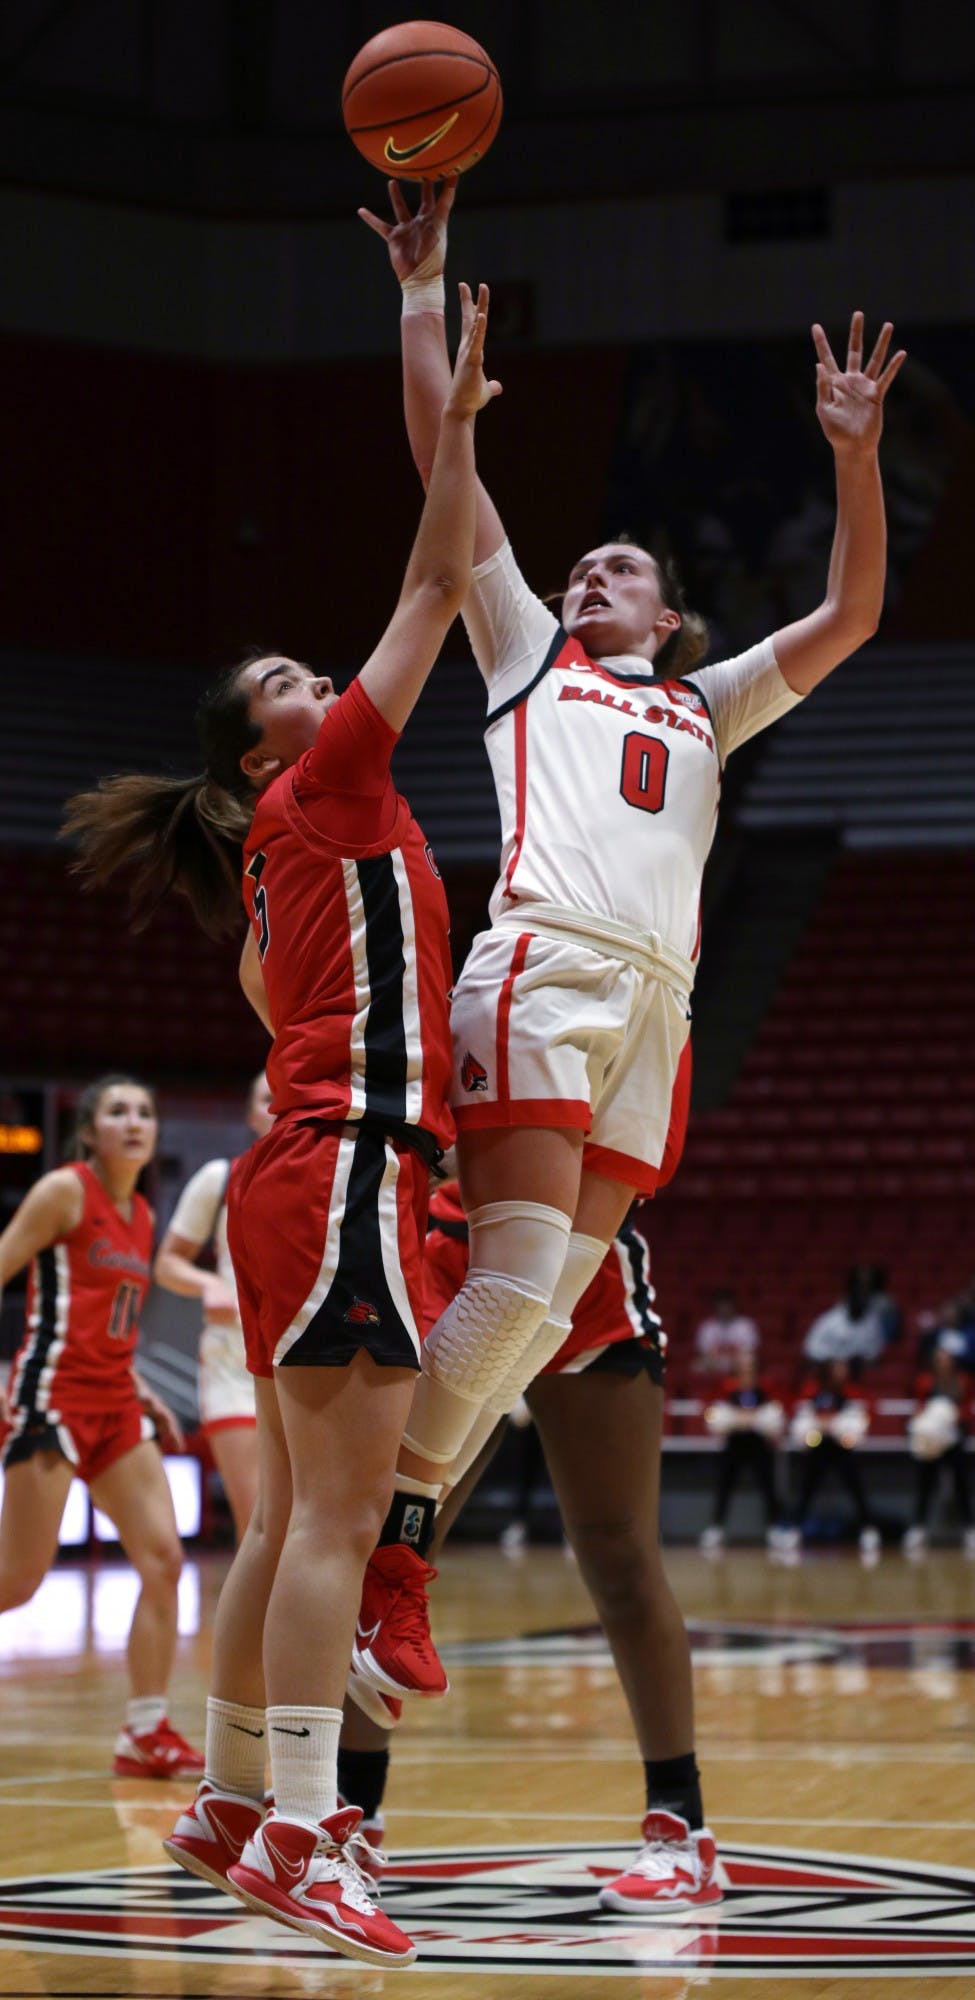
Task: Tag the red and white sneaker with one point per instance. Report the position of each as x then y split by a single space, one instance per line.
307 1877
385 1710
156 1753
366 1844
209 1837
676 1870
393 1649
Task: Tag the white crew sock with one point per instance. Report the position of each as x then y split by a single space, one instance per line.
304 1744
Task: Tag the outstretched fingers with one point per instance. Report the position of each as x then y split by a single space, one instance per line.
895 363
376 222
854 349
876 361
827 359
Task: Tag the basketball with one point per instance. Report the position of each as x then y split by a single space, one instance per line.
422 100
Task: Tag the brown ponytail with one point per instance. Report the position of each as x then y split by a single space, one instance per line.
177 833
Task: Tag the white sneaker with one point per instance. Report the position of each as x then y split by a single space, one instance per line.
711 1541
869 1543
675 1870
915 1541
385 1710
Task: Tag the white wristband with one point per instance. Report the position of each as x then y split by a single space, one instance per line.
424 295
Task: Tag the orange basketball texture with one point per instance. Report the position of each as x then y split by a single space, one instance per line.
422 100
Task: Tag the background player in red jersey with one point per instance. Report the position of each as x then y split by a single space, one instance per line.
228 1417
347 962
76 1408
607 741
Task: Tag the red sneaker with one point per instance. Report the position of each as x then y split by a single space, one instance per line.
676 1870
307 1877
210 1835
156 1753
393 1648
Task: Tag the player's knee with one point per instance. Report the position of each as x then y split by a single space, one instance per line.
18 1586
617 1562
160 1564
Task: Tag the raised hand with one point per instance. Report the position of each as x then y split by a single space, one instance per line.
469 390
850 401
417 244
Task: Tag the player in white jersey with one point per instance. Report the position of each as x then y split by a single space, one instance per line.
228 1417
607 741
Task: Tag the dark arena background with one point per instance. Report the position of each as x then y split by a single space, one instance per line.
203 451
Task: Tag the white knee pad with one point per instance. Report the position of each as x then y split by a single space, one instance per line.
517 1252
583 1258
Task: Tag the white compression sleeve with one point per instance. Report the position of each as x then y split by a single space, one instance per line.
517 1253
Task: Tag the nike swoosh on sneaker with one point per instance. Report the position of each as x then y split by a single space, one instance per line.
228 1835
292 1869
364 1637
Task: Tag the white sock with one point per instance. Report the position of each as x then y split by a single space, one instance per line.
304 1744
236 1748
144 1713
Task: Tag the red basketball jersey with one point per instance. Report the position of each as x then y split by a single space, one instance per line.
350 917
84 1296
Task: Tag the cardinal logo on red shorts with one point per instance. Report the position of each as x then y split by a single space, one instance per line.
473 1074
361 1313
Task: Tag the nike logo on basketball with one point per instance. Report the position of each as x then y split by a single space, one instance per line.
292 1869
398 155
280 1730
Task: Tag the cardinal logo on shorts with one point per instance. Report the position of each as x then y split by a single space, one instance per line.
473 1074
361 1313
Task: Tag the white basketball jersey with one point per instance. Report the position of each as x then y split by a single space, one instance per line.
200 1216
608 780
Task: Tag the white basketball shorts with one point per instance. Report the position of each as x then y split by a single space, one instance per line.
551 1032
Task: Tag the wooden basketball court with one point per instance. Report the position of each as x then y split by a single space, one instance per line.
836 1709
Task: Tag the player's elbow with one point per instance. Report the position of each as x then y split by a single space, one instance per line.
444 590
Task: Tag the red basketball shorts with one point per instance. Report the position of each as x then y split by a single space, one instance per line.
325 1226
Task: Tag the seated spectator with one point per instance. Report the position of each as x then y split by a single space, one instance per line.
953 1329
749 1420
937 1434
725 1339
860 1324
830 1419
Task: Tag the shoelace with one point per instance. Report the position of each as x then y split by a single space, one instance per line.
345 1870
408 1612
659 1857
359 1844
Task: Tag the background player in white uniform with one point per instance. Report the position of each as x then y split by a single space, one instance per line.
228 1415
607 744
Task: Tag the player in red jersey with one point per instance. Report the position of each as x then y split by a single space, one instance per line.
75 1407
607 740
347 962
